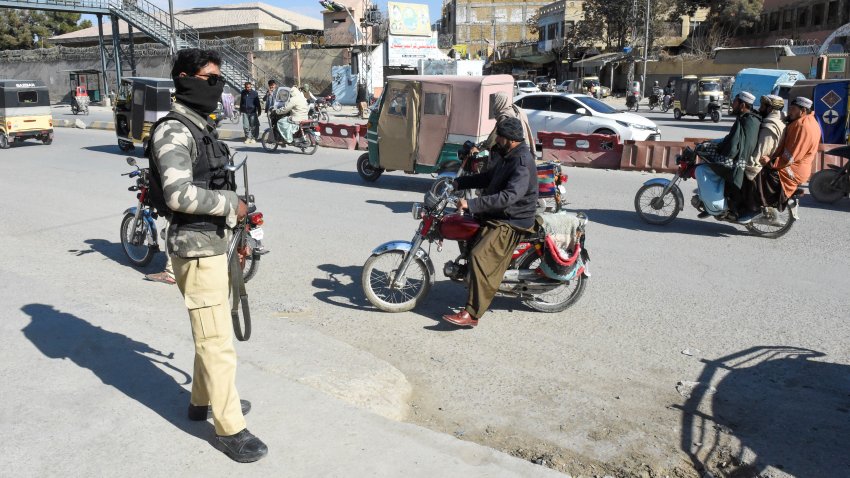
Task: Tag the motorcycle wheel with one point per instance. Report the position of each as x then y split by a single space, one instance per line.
654 209
313 145
651 107
324 117
366 170
558 299
336 106
760 227
75 109
378 273
252 263
715 116
821 189
235 117
140 255
267 140
665 108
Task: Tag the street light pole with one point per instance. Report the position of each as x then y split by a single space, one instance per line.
645 50
173 46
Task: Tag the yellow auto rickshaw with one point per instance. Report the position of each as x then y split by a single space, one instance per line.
24 112
139 104
698 97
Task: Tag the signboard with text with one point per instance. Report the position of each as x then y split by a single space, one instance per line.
407 50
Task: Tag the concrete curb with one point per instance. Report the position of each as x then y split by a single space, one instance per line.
110 126
104 125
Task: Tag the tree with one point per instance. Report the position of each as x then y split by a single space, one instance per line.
725 18
27 29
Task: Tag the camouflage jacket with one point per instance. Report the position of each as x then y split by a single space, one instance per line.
175 151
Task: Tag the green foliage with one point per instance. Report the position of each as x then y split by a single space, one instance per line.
27 29
723 14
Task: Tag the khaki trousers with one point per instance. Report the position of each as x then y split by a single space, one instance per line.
204 283
488 262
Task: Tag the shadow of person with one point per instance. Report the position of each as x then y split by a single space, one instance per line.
387 181
791 412
118 361
115 252
398 207
341 287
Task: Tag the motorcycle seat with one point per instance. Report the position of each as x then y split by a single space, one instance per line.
308 123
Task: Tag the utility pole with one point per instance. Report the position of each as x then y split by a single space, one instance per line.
173 45
645 50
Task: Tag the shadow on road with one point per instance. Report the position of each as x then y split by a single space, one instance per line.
387 181
790 411
114 149
341 287
398 207
115 252
808 201
630 220
132 367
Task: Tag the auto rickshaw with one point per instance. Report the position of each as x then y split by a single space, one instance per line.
698 97
422 122
139 104
24 112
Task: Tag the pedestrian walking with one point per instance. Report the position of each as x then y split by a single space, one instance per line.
188 169
268 99
362 98
249 105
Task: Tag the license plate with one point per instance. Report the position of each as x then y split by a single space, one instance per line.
257 233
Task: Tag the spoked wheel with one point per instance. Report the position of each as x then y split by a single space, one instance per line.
560 297
268 141
324 116
652 107
366 170
665 108
336 106
135 240
309 145
772 224
821 186
653 208
235 117
4 141
377 278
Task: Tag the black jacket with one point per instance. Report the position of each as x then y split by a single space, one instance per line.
249 102
510 189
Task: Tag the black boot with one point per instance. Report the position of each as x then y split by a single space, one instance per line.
200 413
242 447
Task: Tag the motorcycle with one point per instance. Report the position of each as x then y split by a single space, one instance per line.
80 104
660 200
832 183
654 100
399 274
331 100
666 102
633 100
140 240
306 138
319 111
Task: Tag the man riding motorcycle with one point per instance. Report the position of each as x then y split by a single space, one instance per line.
657 94
288 117
507 207
791 164
727 158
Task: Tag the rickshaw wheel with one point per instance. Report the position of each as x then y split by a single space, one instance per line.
47 140
75 109
125 145
677 114
701 117
4 141
366 170
715 116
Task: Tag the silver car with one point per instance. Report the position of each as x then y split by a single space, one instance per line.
574 113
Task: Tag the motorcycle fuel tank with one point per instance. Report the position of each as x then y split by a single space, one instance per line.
459 228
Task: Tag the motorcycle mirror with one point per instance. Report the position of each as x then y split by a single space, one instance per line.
235 167
131 161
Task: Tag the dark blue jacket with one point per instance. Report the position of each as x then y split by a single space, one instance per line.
510 189
249 102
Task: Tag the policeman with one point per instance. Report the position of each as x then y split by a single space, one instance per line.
506 209
200 194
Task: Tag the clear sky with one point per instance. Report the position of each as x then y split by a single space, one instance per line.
307 7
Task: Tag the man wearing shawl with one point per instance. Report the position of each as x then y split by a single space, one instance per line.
503 108
791 165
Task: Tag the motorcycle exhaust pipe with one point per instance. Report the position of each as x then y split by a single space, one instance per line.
517 275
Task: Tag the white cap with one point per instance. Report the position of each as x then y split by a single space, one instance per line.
803 102
747 97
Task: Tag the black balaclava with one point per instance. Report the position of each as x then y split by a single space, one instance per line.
198 94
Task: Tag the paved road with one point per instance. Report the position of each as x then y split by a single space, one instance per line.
761 325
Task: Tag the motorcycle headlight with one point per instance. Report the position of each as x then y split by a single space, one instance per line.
416 210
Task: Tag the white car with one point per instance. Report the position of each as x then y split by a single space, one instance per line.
574 113
525 86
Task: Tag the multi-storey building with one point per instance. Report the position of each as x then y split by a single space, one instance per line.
799 20
485 24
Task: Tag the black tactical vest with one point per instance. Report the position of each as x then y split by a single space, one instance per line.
208 172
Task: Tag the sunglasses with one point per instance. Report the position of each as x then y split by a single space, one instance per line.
212 80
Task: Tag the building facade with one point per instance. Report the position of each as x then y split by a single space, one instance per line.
798 21
482 25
